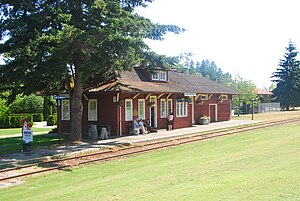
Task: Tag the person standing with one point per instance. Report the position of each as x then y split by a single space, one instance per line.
170 121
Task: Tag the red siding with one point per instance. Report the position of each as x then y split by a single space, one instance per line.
109 112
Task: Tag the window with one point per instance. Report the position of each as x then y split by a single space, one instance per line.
224 97
181 109
169 106
92 110
163 108
141 110
155 76
159 76
128 110
204 96
65 109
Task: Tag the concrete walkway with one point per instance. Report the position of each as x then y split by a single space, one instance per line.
69 150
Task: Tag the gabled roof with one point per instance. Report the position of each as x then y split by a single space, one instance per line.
137 81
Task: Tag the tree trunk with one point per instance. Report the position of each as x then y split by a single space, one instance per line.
76 109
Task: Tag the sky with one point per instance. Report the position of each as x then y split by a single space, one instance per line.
245 37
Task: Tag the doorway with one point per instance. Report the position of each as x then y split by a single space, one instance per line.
153 112
213 112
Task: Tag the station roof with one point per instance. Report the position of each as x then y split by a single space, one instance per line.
138 81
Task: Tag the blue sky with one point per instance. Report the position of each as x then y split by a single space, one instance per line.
243 37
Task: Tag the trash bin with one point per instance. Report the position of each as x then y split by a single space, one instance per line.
93 131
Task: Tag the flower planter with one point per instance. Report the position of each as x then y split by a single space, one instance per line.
204 120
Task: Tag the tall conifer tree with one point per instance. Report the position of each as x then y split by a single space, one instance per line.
287 77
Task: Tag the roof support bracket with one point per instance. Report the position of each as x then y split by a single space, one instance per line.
147 96
197 96
210 96
118 97
134 97
158 97
168 96
85 97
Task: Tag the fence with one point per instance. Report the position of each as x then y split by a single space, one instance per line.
268 107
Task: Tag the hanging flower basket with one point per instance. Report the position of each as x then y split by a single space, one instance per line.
151 104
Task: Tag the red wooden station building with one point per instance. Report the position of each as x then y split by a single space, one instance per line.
141 94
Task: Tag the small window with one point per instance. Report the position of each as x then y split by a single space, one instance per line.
169 106
181 109
128 110
92 110
163 75
65 110
163 108
141 106
155 76
159 76
204 96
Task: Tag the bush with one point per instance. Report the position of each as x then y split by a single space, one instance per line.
27 104
4 122
52 120
37 117
15 120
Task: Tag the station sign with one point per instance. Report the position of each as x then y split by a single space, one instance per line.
61 97
189 94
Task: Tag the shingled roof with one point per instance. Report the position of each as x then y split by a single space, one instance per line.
137 81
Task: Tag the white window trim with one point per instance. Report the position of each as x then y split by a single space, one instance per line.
165 108
131 111
89 110
183 110
67 116
171 107
143 103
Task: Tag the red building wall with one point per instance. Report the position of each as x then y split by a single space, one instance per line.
109 111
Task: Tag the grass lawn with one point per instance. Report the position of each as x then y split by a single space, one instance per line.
14 144
13 131
255 165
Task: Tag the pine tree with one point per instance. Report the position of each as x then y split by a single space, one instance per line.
287 77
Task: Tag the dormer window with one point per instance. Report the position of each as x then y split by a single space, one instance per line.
159 76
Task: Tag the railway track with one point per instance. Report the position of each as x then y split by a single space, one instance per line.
9 174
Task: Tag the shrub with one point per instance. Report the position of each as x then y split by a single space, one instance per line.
15 120
37 117
52 120
27 104
4 122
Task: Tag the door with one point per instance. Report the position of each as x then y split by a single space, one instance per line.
213 112
153 113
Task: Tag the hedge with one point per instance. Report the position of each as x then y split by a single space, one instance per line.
14 121
52 120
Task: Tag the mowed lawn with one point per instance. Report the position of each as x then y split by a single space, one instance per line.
255 165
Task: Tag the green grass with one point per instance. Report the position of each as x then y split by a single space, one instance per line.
256 165
14 144
13 131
